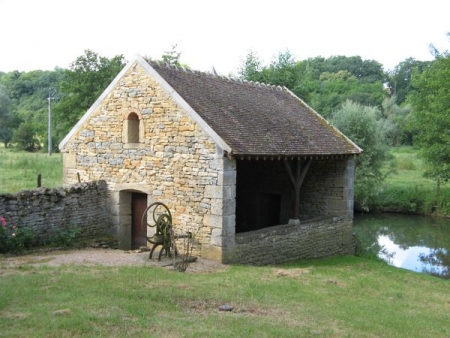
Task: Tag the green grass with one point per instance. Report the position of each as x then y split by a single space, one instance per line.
19 170
407 190
337 297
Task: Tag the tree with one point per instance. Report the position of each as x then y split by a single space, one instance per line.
430 101
400 78
282 71
172 57
367 71
25 137
5 117
251 68
395 122
361 124
88 76
28 92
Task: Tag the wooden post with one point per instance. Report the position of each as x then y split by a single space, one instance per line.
39 180
297 181
78 175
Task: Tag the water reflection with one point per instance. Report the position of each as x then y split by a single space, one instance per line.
415 243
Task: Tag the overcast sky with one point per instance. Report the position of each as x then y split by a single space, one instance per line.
44 34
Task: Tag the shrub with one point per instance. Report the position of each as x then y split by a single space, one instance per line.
13 238
65 238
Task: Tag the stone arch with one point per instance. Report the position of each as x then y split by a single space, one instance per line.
133 127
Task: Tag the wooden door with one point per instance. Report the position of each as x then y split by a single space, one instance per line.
138 232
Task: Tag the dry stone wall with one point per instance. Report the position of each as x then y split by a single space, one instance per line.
313 239
47 212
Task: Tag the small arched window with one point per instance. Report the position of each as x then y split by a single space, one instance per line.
132 126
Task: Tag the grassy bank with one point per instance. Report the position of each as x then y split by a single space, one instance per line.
19 170
407 190
338 297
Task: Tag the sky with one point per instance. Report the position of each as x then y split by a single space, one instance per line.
46 34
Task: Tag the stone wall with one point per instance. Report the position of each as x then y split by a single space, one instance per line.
312 239
48 211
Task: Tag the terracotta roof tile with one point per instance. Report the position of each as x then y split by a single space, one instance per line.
256 119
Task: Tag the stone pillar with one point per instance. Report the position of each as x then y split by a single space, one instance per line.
223 209
120 211
229 207
344 182
349 189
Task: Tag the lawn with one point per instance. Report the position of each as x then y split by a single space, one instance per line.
19 170
334 297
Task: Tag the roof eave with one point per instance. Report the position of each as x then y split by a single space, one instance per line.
242 156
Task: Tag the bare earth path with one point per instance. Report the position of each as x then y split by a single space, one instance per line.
106 257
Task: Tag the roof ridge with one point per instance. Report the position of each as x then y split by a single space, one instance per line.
212 75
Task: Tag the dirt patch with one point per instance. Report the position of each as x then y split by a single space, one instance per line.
292 272
105 257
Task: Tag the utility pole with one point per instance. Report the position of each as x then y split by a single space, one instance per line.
50 97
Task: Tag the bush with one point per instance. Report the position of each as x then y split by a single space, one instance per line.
361 124
13 238
65 238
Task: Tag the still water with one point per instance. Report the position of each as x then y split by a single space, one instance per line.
415 243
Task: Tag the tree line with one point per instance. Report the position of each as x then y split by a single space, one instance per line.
375 108
24 99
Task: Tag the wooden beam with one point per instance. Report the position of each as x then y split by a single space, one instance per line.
289 172
297 181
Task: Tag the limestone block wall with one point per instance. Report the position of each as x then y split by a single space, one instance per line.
48 211
328 188
313 239
175 161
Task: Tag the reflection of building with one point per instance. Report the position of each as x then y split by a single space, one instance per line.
250 169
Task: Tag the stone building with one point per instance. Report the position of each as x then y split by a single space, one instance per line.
253 172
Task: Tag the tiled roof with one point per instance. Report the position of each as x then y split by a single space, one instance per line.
256 119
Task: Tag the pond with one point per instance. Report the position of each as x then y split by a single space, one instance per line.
416 243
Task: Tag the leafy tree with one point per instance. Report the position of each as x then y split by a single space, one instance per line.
86 79
430 101
335 88
282 71
172 57
5 117
25 137
400 78
251 68
28 92
395 122
361 124
367 71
